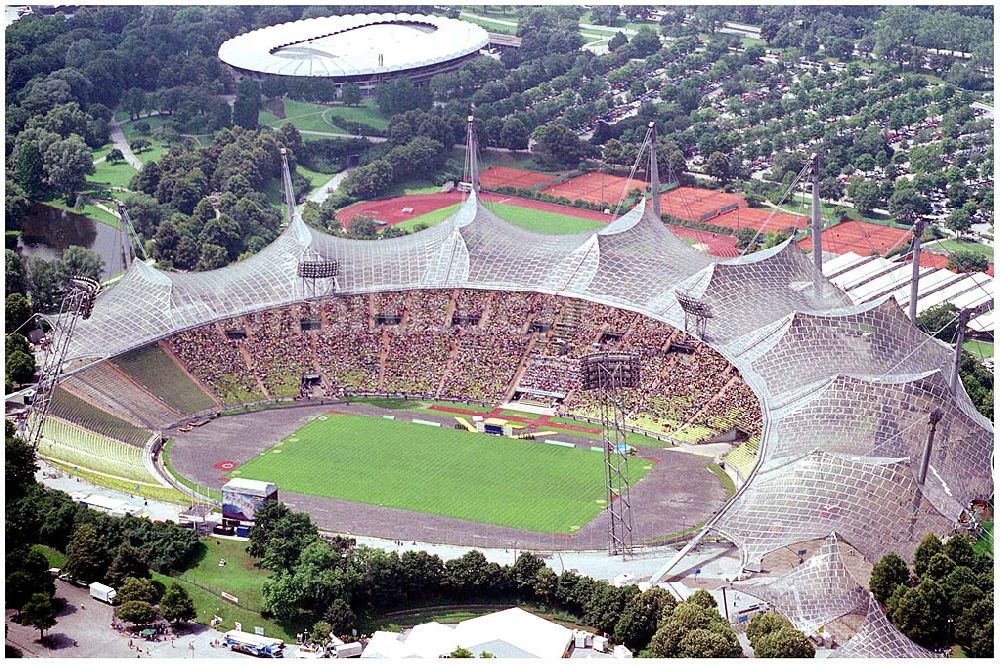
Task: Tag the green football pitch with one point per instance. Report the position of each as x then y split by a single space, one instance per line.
441 471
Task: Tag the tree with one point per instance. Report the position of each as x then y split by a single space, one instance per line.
673 638
938 321
128 563
14 279
940 566
29 168
644 43
719 167
906 203
514 134
140 146
559 145
704 599
176 605
212 256
114 156
85 558
959 548
784 643
350 94
80 261
16 204
136 612
618 41
67 163
133 102
246 108
460 653
399 95
138 589
637 624
19 367
39 613
864 194
968 261
19 465
888 573
340 617
764 624
27 574
17 312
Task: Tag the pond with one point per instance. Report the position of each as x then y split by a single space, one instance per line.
47 231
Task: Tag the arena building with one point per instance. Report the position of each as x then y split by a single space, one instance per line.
849 395
359 48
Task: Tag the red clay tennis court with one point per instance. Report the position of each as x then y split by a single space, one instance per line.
595 187
696 204
861 238
759 219
501 176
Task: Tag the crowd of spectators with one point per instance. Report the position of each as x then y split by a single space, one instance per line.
466 344
217 362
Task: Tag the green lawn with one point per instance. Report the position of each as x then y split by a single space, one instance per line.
979 349
89 210
951 245
513 483
239 577
158 148
528 218
985 543
367 112
54 557
314 117
107 174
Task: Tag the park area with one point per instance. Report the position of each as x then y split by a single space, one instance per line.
435 470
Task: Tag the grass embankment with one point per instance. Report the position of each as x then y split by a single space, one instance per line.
979 349
439 471
313 117
947 246
985 543
527 218
107 174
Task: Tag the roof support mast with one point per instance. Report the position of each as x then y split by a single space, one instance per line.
918 232
472 154
817 222
654 170
286 181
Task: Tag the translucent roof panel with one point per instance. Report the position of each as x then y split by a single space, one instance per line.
877 638
843 263
875 504
755 290
815 593
970 282
890 418
869 339
937 279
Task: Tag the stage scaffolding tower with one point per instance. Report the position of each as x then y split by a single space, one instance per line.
610 374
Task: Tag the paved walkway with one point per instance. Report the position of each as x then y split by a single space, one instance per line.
83 629
121 143
321 193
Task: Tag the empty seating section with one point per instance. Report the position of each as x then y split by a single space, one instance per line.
77 411
108 389
154 369
744 457
217 362
72 445
471 344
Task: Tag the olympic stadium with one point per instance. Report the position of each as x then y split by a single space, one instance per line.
359 48
859 441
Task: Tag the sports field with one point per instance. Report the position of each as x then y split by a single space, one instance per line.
498 481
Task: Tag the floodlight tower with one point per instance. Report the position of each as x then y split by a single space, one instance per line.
77 303
609 374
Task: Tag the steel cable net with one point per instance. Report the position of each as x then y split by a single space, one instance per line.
875 504
815 593
787 329
879 639
890 418
870 339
